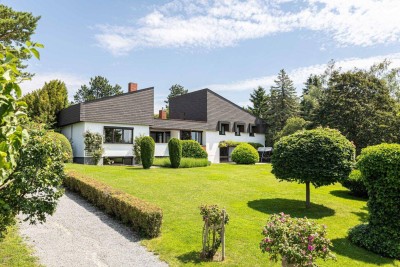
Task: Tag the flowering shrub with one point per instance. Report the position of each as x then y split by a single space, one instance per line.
297 241
212 229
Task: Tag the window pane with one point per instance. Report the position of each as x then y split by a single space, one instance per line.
108 132
185 135
127 136
196 136
167 136
153 135
117 135
159 137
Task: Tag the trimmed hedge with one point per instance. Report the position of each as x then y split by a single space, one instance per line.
64 143
147 147
175 152
192 149
236 143
380 168
355 184
143 217
185 162
245 154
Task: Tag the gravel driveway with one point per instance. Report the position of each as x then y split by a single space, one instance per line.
79 234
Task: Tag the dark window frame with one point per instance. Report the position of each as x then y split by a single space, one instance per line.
166 136
237 126
252 129
122 136
190 135
223 127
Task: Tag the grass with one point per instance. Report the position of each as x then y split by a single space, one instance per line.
14 252
185 162
249 194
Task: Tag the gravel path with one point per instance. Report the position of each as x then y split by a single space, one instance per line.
79 234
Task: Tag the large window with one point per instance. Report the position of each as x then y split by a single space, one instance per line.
160 137
116 135
192 135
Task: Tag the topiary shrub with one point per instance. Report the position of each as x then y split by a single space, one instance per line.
64 143
175 152
380 168
192 149
355 184
147 147
321 156
245 154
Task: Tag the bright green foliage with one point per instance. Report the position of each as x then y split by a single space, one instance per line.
175 152
35 184
185 162
93 145
298 241
213 218
380 167
320 157
136 149
44 104
355 184
147 147
16 29
192 149
64 144
292 125
245 154
259 98
359 104
141 216
230 143
174 90
99 87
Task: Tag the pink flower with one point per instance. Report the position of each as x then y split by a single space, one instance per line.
311 248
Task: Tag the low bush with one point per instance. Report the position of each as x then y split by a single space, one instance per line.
185 162
236 143
356 184
192 149
143 217
147 147
245 154
175 152
64 143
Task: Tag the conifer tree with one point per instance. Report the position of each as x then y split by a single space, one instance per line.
259 99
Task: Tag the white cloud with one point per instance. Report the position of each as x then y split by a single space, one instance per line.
72 81
300 75
220 23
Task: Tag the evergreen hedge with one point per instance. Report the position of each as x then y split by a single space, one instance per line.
175 152
192 149
380 167
245 154
64 143
356 184
147 147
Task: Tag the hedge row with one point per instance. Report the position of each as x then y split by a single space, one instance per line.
144 218
229 143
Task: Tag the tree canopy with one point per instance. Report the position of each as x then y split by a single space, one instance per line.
259 99
99 87
175 90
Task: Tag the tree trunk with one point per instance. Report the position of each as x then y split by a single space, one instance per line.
308 203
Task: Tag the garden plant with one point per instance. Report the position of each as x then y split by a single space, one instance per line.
147 147
245 154
94 145
175 152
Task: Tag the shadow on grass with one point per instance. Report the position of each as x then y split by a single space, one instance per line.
296 208
347 195
190 257
344 247
363 214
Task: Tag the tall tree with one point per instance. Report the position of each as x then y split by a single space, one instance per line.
283 105
16 28
311 98
99 87
175 90
45 103
259 99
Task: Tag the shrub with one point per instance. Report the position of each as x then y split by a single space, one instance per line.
147 147
355 184
175 152
214 220
245 154
64 143
292 125
321 156
94 145
143 217
136 149
185 162
235 144
298 241
380 168
192 149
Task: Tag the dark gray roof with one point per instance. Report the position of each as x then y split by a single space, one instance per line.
173 124
129 108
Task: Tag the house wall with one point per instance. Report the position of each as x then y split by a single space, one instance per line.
74 133
161 149
212 138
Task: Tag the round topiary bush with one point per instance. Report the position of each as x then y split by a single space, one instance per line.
355 184
321 157
380 167
245 154
192 149
147 147
175 152
64 143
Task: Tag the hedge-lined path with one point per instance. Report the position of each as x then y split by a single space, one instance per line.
79 234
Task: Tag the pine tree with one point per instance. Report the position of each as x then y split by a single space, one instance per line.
99 87
259 99
312 95
175 90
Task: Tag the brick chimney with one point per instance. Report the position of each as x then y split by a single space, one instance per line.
162 114
132 87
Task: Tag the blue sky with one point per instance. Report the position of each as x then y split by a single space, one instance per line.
228 46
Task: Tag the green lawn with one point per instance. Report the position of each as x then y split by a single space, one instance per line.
14 252
249 194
